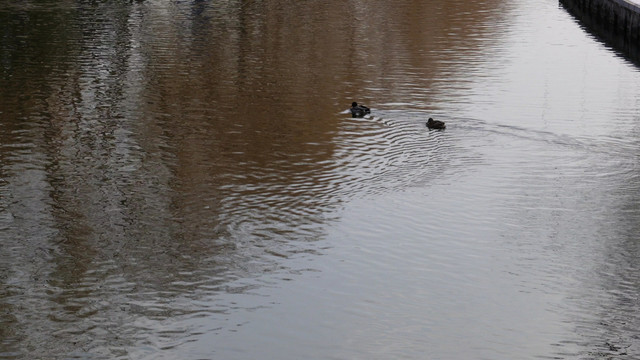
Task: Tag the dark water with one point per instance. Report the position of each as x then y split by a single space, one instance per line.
178 180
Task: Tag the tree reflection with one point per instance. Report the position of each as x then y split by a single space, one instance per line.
159 156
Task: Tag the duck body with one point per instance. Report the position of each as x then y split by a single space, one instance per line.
359 110
435 124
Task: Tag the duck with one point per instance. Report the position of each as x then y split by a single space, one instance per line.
435 124
359 110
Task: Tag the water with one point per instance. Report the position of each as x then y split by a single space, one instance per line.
180 180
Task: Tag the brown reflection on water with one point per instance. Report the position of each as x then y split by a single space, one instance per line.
157 156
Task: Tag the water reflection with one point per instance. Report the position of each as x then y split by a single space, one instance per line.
606 307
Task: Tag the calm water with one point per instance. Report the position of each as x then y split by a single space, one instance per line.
178 180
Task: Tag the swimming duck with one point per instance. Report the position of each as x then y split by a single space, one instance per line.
359 110
435 124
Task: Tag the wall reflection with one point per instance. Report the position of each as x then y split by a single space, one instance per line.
604 31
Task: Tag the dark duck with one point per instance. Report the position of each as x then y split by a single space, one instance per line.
435 124
359 110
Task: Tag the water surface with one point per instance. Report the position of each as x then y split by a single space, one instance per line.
180 180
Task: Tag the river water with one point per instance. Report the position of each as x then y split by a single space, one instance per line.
179 180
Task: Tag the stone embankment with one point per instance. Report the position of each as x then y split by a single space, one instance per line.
617 22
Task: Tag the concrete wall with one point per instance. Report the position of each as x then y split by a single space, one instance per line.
617 22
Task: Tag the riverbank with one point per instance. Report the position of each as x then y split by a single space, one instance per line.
616 22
